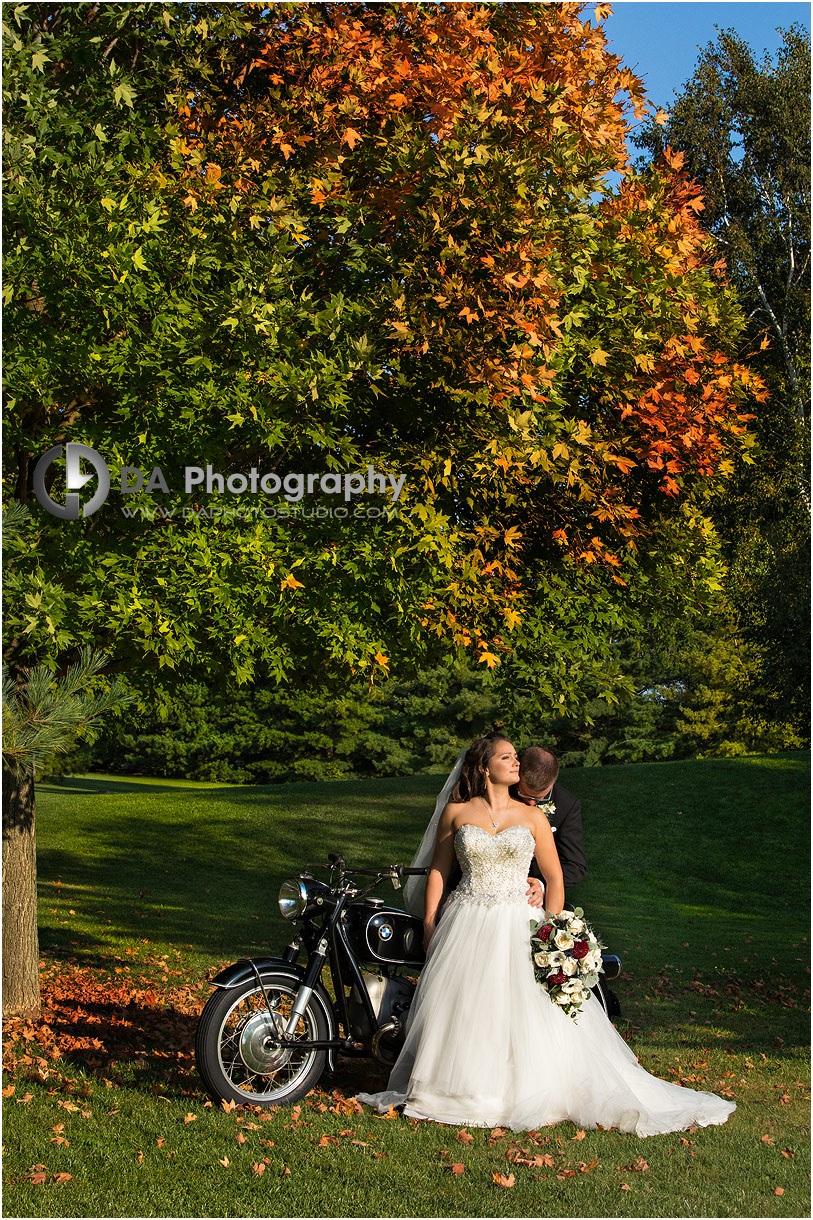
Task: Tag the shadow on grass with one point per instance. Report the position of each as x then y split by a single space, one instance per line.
109 785
105 1038
202 870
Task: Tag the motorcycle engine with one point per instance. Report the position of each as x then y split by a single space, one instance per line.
390 998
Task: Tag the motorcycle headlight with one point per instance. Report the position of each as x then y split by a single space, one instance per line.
293 898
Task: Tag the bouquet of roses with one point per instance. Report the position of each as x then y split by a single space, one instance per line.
567 958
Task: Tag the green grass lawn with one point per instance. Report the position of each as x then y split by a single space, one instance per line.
698 879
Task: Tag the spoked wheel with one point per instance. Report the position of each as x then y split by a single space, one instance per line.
235 1048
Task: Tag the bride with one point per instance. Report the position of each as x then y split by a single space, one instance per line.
485 1044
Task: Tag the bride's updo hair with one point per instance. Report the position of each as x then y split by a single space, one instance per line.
472 781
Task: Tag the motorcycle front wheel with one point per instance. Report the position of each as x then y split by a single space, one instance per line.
235 1051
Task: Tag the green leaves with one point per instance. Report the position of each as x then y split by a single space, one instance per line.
124 94
227 278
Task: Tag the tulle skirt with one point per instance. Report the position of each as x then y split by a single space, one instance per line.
487 1047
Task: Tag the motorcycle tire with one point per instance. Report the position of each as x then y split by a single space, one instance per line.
607 999
234 1056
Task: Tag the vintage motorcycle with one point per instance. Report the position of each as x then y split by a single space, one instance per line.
270 1029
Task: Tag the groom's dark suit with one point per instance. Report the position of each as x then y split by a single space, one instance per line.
568 836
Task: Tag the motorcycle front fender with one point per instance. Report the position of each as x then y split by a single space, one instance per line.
244 970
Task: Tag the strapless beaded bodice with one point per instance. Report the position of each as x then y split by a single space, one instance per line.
494 866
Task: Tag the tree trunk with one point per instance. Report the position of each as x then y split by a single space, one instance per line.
21 985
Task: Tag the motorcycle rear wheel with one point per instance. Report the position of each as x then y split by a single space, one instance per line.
235 1056
607 999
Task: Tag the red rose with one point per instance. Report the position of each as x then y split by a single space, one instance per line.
556 979
580 949
543 933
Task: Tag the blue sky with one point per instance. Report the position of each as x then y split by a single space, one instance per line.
660 41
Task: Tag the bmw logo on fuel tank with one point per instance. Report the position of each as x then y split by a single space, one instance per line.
385 931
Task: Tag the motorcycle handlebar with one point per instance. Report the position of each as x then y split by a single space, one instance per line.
400 870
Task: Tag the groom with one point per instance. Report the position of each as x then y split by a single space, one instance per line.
537 785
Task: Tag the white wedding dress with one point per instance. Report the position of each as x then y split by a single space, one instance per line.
485 1044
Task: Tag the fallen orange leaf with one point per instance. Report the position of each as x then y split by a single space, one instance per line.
8 1090
228 1105
766 1139
464 1137
578 1136
225 1162
458 1167
501 1180
625 1187
259 1168
241 1139
780 1190
59 1178
190 1118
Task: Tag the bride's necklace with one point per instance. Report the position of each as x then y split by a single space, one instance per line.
490 818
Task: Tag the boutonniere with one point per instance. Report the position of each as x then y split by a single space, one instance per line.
549 809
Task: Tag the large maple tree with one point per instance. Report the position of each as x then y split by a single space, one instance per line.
553 361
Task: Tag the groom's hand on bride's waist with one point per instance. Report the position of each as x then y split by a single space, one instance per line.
535 892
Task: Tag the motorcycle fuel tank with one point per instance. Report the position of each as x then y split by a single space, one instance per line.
377 933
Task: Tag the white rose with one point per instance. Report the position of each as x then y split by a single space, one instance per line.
563 941
576 925
590 962
563 998
541 959
569 967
